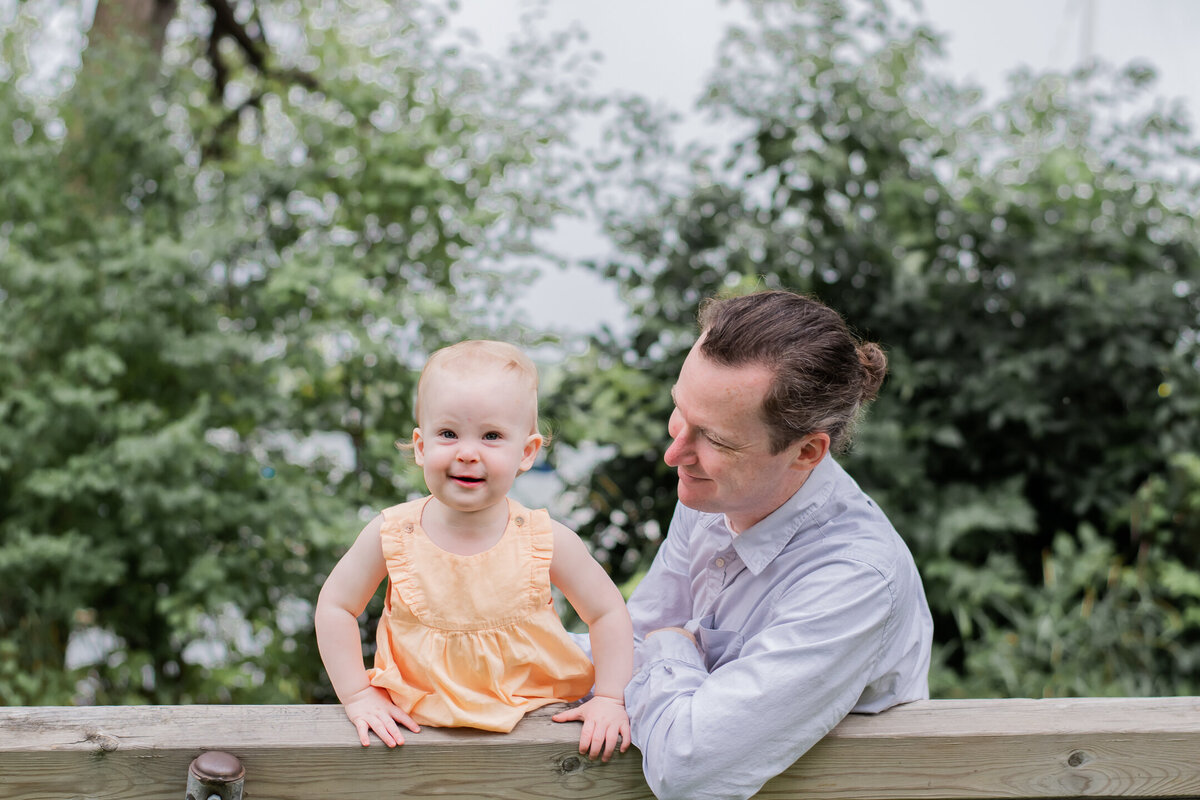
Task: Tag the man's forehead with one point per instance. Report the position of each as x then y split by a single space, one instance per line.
731 409
743 380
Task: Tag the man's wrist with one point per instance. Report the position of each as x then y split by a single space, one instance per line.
670 644
682 631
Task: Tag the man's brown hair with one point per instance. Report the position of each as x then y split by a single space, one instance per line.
823 374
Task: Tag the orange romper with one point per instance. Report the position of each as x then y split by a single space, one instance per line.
473 641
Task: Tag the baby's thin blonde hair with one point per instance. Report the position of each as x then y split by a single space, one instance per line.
475 354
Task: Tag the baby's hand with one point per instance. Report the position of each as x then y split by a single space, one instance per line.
604 719
372 709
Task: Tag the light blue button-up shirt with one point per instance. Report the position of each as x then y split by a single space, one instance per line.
812 613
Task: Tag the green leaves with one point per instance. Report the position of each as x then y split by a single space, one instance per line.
211 314
1031 272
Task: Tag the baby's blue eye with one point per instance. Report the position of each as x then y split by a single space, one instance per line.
491 437
446 434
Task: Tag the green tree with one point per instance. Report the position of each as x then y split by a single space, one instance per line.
1030 265
218 269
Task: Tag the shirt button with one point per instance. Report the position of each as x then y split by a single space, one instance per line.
520 521
408 526
720 562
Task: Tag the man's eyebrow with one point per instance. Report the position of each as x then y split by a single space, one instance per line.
720 440
711 435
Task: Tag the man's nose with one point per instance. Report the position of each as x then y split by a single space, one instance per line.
679 451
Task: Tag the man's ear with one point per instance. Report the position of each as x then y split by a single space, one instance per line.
812 448
418 447
532 445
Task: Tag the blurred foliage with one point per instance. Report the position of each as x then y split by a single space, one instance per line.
213 294
211 304
1031 267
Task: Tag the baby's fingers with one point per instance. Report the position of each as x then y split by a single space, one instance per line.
610 741
383 727
570 715
361 725
388 732
587 739
607 738
405 720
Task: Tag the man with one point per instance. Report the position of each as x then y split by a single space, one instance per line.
782 598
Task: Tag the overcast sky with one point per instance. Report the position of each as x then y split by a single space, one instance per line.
663 49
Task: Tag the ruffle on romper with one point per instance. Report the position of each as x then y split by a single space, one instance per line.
473 641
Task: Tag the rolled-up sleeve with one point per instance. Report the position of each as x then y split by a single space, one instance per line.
663 599
723 734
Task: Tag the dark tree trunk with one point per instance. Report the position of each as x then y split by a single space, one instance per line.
141 20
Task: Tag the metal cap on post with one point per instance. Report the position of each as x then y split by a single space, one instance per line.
215 776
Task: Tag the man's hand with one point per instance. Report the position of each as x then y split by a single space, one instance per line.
604 720
372 709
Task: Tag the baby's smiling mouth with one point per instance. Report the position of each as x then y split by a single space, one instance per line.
467 479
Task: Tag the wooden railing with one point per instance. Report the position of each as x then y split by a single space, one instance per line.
934 749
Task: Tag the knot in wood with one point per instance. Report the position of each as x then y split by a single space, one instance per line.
571 764
104 743
1078 759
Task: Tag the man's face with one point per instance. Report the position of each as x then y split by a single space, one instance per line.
722 448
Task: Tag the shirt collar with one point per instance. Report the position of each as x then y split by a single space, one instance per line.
758 545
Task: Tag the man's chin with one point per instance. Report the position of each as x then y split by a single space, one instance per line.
692 493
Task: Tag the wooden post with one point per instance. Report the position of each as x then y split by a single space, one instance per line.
1119 747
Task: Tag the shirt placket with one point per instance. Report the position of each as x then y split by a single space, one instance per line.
720 570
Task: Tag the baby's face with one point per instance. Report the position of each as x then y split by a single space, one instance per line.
475 435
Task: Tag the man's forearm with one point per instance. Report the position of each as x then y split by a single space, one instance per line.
705 738
722 735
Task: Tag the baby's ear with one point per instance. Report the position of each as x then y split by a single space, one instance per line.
418 447
532 445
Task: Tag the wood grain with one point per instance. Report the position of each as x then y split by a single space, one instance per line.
1092 747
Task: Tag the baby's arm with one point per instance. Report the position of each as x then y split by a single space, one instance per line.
598 602
345 594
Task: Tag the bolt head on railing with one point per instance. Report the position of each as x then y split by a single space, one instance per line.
215 776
